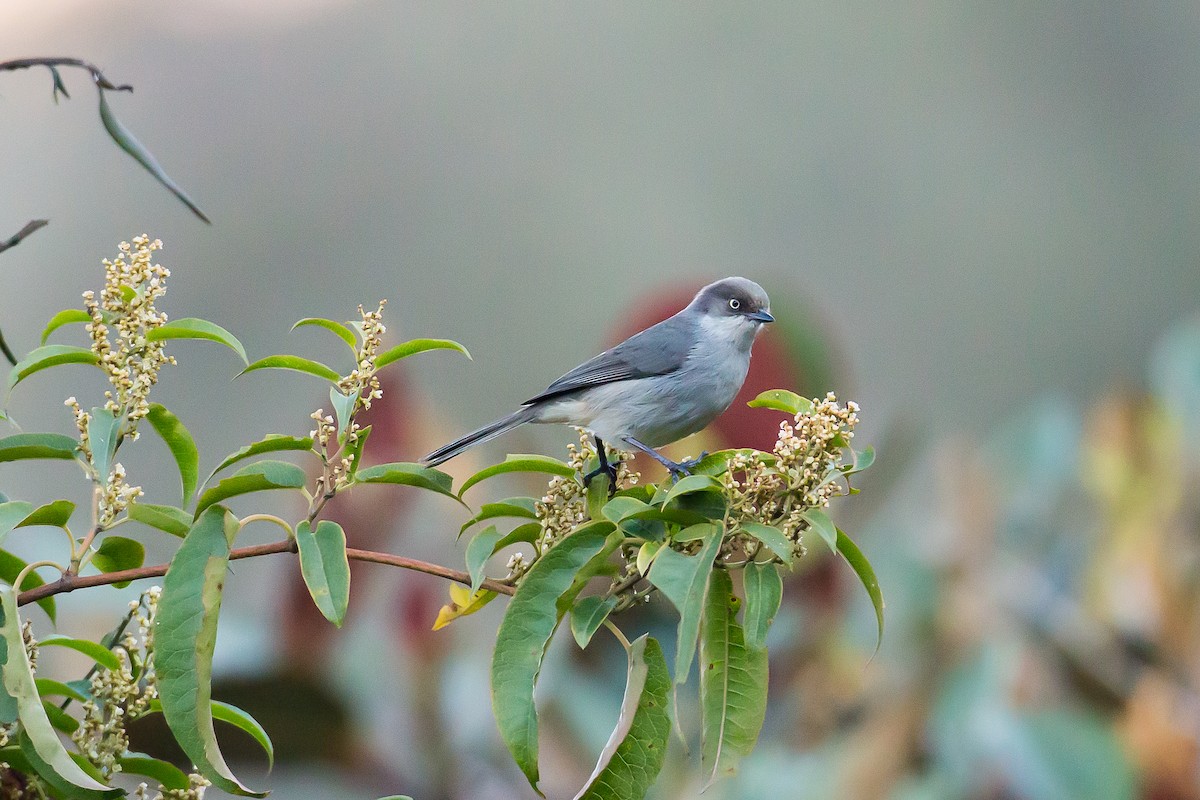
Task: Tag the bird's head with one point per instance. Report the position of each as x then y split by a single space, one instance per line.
735 306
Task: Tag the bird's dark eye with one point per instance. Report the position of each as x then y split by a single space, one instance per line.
735 304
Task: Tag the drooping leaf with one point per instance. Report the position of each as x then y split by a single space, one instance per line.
271 443
633 757
182 446
587 615
126 141
50 355
521 641
733 684
343 407
411 348
295 364
93 650
56 514
168 775
257 477
19 683
67 316
60 720
337 328
185 633
764 593
325 568
519 463
33 763
773 538
862 568
820 523
103 429
37 445
479 550
118 553
48 687
227 712
682 580
169 519
408 474
862 460
192 328
527 533
782 400
646 555
522 507
462 603
11 567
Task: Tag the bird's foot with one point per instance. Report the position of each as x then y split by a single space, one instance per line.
608 468
680 469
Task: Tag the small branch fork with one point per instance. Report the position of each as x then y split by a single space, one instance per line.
53 63
69 583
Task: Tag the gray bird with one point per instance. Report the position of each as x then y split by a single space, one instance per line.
654 388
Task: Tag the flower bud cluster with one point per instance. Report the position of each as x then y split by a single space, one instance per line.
362 379
564 506
115 497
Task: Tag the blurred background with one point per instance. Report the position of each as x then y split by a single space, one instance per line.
980 222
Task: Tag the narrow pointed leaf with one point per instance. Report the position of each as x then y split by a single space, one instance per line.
126 141
192 328
522 507
529 622
588 615
862 568
227 712
337 328
93 650
19 683
295 364
37 445
257 477
60 788
409 474
168 775
633 757
764 593
343 407
325 568
462 603
103 431
271 443
782 400
773 538
48 687
11 567
68 316
12 514
47 356
169 519
56 514
682 580
646 555
182 446
733 684
479 550
519 463
820 523
118 553
411 348
185 633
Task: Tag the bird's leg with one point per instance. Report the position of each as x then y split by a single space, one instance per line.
605 468
677 469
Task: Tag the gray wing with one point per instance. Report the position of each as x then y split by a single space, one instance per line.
658 350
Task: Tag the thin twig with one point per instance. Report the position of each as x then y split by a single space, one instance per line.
16 238
69 583
53 62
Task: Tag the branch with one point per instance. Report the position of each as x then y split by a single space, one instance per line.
52 63
69 583
16 238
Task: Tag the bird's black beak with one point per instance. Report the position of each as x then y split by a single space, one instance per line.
760 316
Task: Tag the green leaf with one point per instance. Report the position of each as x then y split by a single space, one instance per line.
764 593
343 407
588 615
12 514
528 533
182 447
256 477
271 443
646 555
117 553
169 519
355 453
47 356
295 364
682 580
11 567
522 507
227 712
67 316
820 523
48 687
192 328
37 445
479 550
861 460
60 788
411 348
338 329
185 632
862 568
733 684
60 719
103 429
692 484
325 568
519 463
716 464
19 683
773 538
633 757
782 400
168 775
55 514
521 641
126 141
93 650
408 474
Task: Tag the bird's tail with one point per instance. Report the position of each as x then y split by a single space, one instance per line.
479 436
